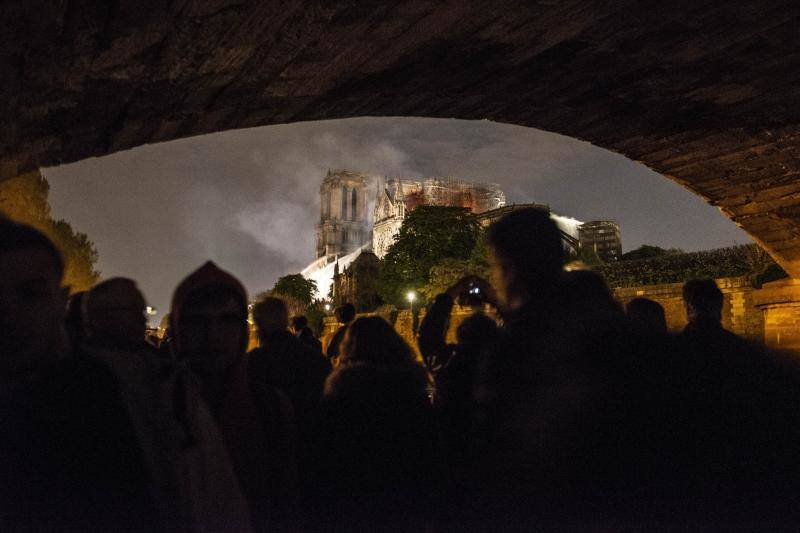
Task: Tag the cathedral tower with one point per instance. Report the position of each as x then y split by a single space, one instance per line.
343 225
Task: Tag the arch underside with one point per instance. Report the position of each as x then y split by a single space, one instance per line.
705 93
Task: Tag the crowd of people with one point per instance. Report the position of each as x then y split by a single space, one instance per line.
569 413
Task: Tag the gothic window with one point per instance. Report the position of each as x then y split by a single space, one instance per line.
353 204
344 203
327 204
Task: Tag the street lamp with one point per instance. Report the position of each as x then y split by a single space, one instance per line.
410 297
327 308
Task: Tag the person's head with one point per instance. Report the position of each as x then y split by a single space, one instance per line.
345 313
32 301
115 314
372 340
271 316
588 302
703 300
526 257
646 315
208 320
477 330
299 323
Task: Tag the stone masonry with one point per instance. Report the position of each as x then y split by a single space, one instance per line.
705 93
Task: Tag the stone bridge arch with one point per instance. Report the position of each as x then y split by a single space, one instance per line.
704 92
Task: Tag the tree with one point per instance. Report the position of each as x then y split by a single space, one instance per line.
24 199
296 286
647 251
429 234
448 271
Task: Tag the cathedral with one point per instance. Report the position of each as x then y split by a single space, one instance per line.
360 215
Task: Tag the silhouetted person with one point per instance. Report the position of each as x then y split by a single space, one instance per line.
433 330
345 314
703 301
115 315
455 367
210 333
647 316
288 364
304 333
606 428
74 322
69 456
587 302
114 319
378 448
551 394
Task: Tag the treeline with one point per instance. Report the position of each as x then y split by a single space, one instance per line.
436 246
25 199
741 260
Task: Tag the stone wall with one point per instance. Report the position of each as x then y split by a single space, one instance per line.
739 312
770 314
779 302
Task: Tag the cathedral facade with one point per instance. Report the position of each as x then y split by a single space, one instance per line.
343 224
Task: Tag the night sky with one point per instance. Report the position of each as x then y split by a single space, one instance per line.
247 199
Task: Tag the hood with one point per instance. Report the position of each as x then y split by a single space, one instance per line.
206 276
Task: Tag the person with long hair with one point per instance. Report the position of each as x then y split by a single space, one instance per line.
378 447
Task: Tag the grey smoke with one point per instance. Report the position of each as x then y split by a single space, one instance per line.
248 198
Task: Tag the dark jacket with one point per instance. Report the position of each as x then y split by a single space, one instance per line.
307 337
70 457
378 453
290 365
335 345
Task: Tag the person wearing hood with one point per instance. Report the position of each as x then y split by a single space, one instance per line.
208 319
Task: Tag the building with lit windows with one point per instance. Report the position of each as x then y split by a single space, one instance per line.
602 236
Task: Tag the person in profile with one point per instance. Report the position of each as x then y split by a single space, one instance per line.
304 334
646 316
344 314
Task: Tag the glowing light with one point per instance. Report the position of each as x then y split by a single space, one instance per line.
327 307
150 310
411 296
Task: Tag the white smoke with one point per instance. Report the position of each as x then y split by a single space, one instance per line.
249 199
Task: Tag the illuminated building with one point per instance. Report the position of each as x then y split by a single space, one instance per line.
602 236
